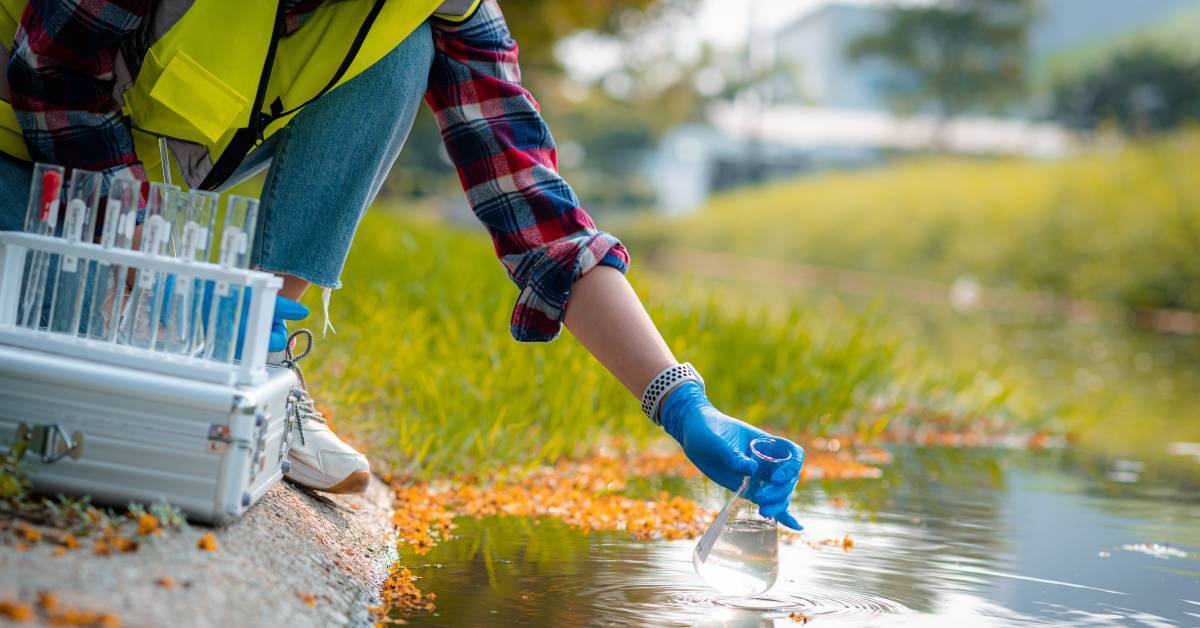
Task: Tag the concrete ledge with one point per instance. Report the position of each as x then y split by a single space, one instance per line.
291 545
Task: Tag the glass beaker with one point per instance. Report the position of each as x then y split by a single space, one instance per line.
739 553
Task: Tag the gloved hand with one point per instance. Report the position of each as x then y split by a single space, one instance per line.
285 310
719 445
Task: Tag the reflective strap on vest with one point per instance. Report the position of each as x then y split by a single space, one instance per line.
245 139
456 10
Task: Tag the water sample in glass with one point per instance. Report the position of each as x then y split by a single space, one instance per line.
78 226
140 318
193 232
41 217
110 289
224 318
739 553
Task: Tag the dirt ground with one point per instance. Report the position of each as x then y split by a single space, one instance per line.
295 559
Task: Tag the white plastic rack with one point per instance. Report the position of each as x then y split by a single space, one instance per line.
249 371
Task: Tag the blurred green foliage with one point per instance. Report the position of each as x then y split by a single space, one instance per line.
1176 32
958 55
1119 224
537 25
1143 90
14 476
611 136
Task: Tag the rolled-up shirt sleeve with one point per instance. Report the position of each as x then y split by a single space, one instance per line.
506 161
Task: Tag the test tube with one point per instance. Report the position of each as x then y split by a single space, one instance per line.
41 217
120 221
194 226
205 206
224 316
144 307
78 226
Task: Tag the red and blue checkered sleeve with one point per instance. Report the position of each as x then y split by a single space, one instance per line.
506 161
60 76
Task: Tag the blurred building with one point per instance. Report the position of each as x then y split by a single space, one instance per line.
694 161
815 44
838 117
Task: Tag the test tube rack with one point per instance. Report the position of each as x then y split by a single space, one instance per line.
249 371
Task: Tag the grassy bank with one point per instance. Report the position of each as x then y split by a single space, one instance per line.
424 373
1119 224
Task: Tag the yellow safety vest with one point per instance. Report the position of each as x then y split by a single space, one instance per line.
198 81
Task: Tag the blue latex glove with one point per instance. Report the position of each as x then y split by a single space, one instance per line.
285 310
719 445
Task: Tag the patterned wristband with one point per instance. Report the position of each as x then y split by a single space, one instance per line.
663 383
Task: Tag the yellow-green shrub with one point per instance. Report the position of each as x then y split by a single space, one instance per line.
1120 224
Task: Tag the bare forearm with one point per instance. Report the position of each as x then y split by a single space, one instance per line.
607 317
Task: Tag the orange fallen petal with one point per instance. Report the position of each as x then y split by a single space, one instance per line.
208 542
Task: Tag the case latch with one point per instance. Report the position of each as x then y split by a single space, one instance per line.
51 442
219 438
258 459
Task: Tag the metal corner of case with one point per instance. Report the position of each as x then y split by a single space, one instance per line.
244 403
222 518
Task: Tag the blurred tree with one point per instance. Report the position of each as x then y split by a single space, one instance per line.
537 25
956 55
1143 90
611 136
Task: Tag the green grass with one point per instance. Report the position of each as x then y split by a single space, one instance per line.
425 375
423 372
1119 225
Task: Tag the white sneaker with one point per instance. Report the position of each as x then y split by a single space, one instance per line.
319 459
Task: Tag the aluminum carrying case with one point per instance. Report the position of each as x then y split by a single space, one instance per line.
123 424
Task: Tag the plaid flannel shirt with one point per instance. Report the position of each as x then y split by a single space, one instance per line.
506 161
60 74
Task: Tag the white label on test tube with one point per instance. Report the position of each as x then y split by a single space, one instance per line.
130 226
154 231
189 241
112 220
73 231
50 213
233 243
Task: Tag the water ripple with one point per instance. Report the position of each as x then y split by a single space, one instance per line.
812 603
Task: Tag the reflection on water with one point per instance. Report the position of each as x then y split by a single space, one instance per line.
967 537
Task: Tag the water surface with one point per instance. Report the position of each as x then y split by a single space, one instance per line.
948 537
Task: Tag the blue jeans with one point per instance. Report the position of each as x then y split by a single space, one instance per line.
324 167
